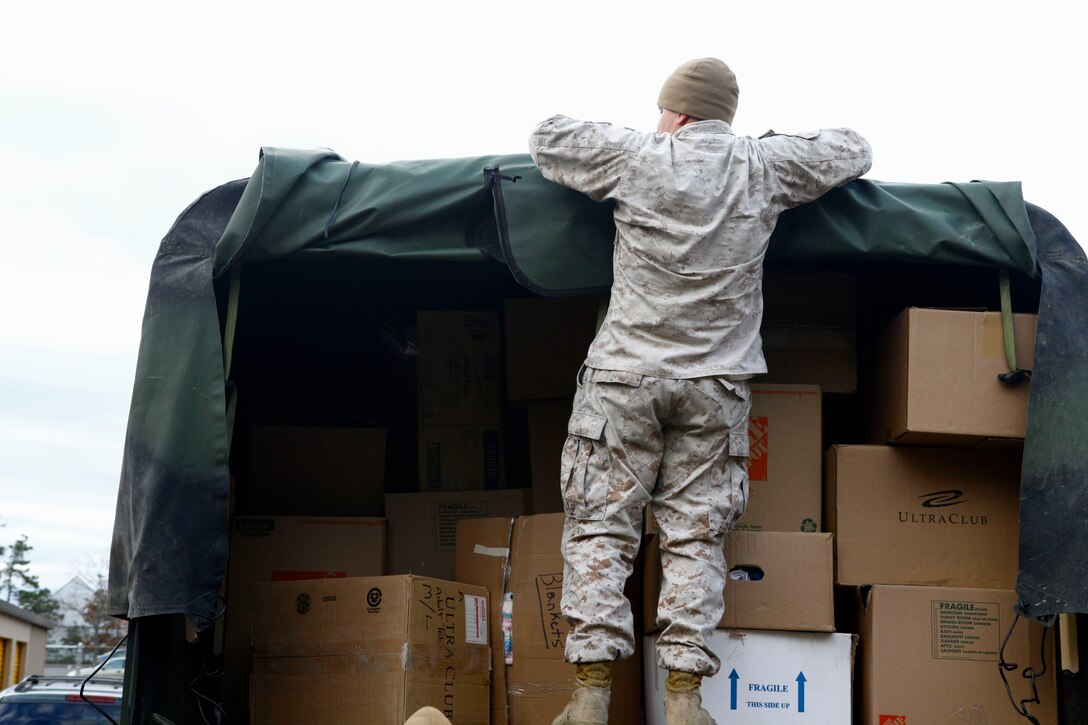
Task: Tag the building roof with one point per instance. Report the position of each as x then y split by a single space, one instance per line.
30 617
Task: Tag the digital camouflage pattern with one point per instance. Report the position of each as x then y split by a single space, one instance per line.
679 446
694 212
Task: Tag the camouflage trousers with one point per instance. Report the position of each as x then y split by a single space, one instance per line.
679 446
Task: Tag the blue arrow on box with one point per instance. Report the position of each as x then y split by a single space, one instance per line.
801 691
733 677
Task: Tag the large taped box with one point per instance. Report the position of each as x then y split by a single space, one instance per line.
369 650
422 527
931 654
778 580
925 516
935 379
283 548
768 678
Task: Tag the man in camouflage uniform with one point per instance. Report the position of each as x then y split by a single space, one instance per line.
661 412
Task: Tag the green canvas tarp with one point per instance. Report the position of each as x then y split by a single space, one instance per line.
170 535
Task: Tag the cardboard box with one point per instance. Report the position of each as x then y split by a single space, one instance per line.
785 463
927 516
460 458
768 677
540 682
547 432
299 471
483 558
785 466
457 368
422 527
266 548
809 328
929 655
370 650
791 585
935 378
546 343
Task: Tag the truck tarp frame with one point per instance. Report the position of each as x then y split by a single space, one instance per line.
170 537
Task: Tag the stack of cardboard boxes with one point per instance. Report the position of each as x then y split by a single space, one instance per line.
319 517
926 523
332 646
460 431
357 604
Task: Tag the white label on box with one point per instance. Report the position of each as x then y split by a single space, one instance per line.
445 516
475 619
965 630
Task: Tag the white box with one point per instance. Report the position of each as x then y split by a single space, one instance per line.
767 677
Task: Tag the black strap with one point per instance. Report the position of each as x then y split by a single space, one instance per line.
1029 673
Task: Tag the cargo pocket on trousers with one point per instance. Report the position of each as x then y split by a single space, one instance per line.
731 494
585 467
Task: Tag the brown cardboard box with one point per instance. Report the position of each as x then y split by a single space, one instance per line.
422 527
768 678
785 462
297 471
369 650
927 516
809 328
785 466
795 591
458 368
929 655
540 682
547 433
935 378
483 558
265 548
546 342
460 458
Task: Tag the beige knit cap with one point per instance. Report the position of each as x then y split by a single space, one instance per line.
703 88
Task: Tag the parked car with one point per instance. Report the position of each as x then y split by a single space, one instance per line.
114 667
44 700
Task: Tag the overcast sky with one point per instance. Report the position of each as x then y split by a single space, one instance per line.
115 116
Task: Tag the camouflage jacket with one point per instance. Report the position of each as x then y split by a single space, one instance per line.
694 212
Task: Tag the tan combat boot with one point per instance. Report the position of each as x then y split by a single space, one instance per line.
684 701
589 703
